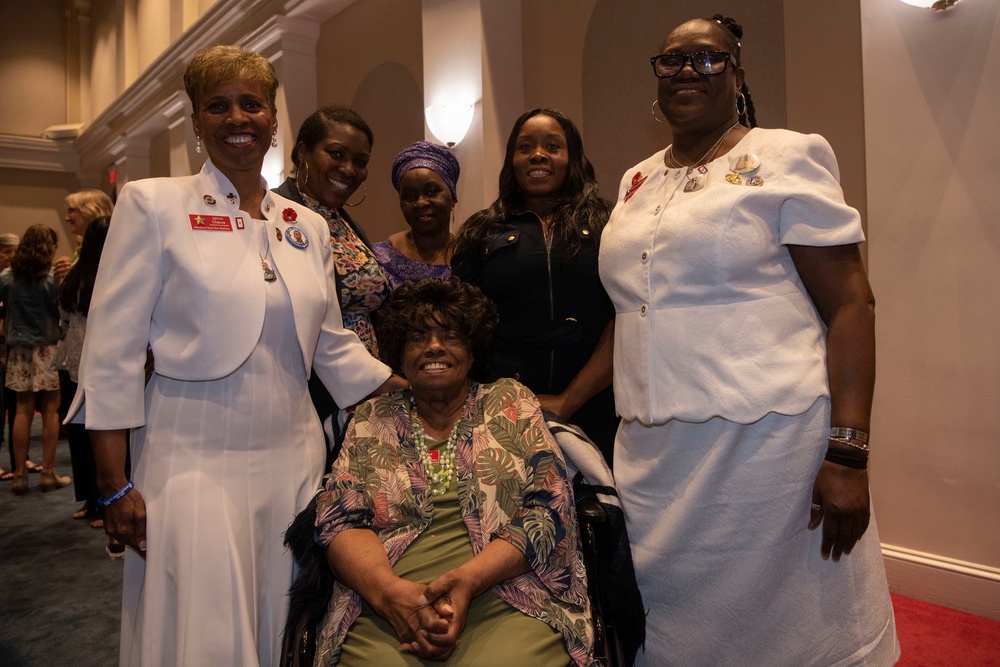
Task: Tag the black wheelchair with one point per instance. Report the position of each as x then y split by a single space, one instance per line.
618 615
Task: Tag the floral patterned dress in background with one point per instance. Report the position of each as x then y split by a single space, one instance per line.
361 282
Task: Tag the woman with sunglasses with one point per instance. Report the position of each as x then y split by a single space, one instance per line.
744 369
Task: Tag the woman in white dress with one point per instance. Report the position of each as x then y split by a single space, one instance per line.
231 288
744 369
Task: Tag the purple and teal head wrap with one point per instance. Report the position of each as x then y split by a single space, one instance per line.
438 159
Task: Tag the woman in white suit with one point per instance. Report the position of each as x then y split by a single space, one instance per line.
230 286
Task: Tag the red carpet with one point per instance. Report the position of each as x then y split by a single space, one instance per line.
933 636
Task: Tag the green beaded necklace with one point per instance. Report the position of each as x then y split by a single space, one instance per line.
438 479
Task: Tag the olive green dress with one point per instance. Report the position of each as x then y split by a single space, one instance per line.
496 634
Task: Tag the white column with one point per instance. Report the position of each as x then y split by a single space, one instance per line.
290 44
79 63
183 159
131 159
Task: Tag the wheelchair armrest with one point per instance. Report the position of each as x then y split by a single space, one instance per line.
590 511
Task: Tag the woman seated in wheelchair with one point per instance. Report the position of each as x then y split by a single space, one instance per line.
448 519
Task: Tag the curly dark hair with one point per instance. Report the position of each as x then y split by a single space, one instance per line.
33 259
579 204
78 285
417 305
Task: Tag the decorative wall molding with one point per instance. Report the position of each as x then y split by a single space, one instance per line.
155 100
949 582
35 153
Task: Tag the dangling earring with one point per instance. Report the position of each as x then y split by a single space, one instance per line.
740 97
652 110
274 139
197 145
363 197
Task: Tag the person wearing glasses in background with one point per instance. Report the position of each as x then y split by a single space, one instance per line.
744 367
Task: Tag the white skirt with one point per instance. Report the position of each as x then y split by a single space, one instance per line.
223 467
717 514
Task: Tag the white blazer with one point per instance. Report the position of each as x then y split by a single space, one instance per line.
181 271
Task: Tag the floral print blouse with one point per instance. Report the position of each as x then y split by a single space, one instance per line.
512 486
361 281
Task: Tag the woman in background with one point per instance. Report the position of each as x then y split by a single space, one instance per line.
74 303
8 246
31 327
331 155
82 208
534 252
425 175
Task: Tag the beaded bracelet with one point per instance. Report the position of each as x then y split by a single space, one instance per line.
863 446
117 495
851 458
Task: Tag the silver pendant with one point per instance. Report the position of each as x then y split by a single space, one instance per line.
269 275
694 184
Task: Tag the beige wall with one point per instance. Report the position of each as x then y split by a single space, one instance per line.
931 111
32 67
824 91
369 58
35 198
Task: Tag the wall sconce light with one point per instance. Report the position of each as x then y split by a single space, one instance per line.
449 122
936 5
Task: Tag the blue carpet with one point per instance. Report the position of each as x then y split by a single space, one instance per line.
60 594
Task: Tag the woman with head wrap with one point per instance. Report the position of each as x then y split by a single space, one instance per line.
425 175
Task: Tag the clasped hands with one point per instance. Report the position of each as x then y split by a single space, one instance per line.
428 619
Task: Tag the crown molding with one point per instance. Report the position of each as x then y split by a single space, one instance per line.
37 154
150 104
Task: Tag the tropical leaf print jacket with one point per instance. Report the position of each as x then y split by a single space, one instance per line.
512 486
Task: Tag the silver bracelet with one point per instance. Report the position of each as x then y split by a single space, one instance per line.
851 433
863 446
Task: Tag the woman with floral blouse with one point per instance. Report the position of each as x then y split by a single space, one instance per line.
448 519
331 156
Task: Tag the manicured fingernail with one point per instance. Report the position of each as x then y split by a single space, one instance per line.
422 601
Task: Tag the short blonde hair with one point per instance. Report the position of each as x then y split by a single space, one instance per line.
91 204
221 62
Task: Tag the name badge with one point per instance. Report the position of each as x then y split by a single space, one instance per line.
210 223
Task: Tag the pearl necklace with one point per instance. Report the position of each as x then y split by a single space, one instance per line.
438 480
